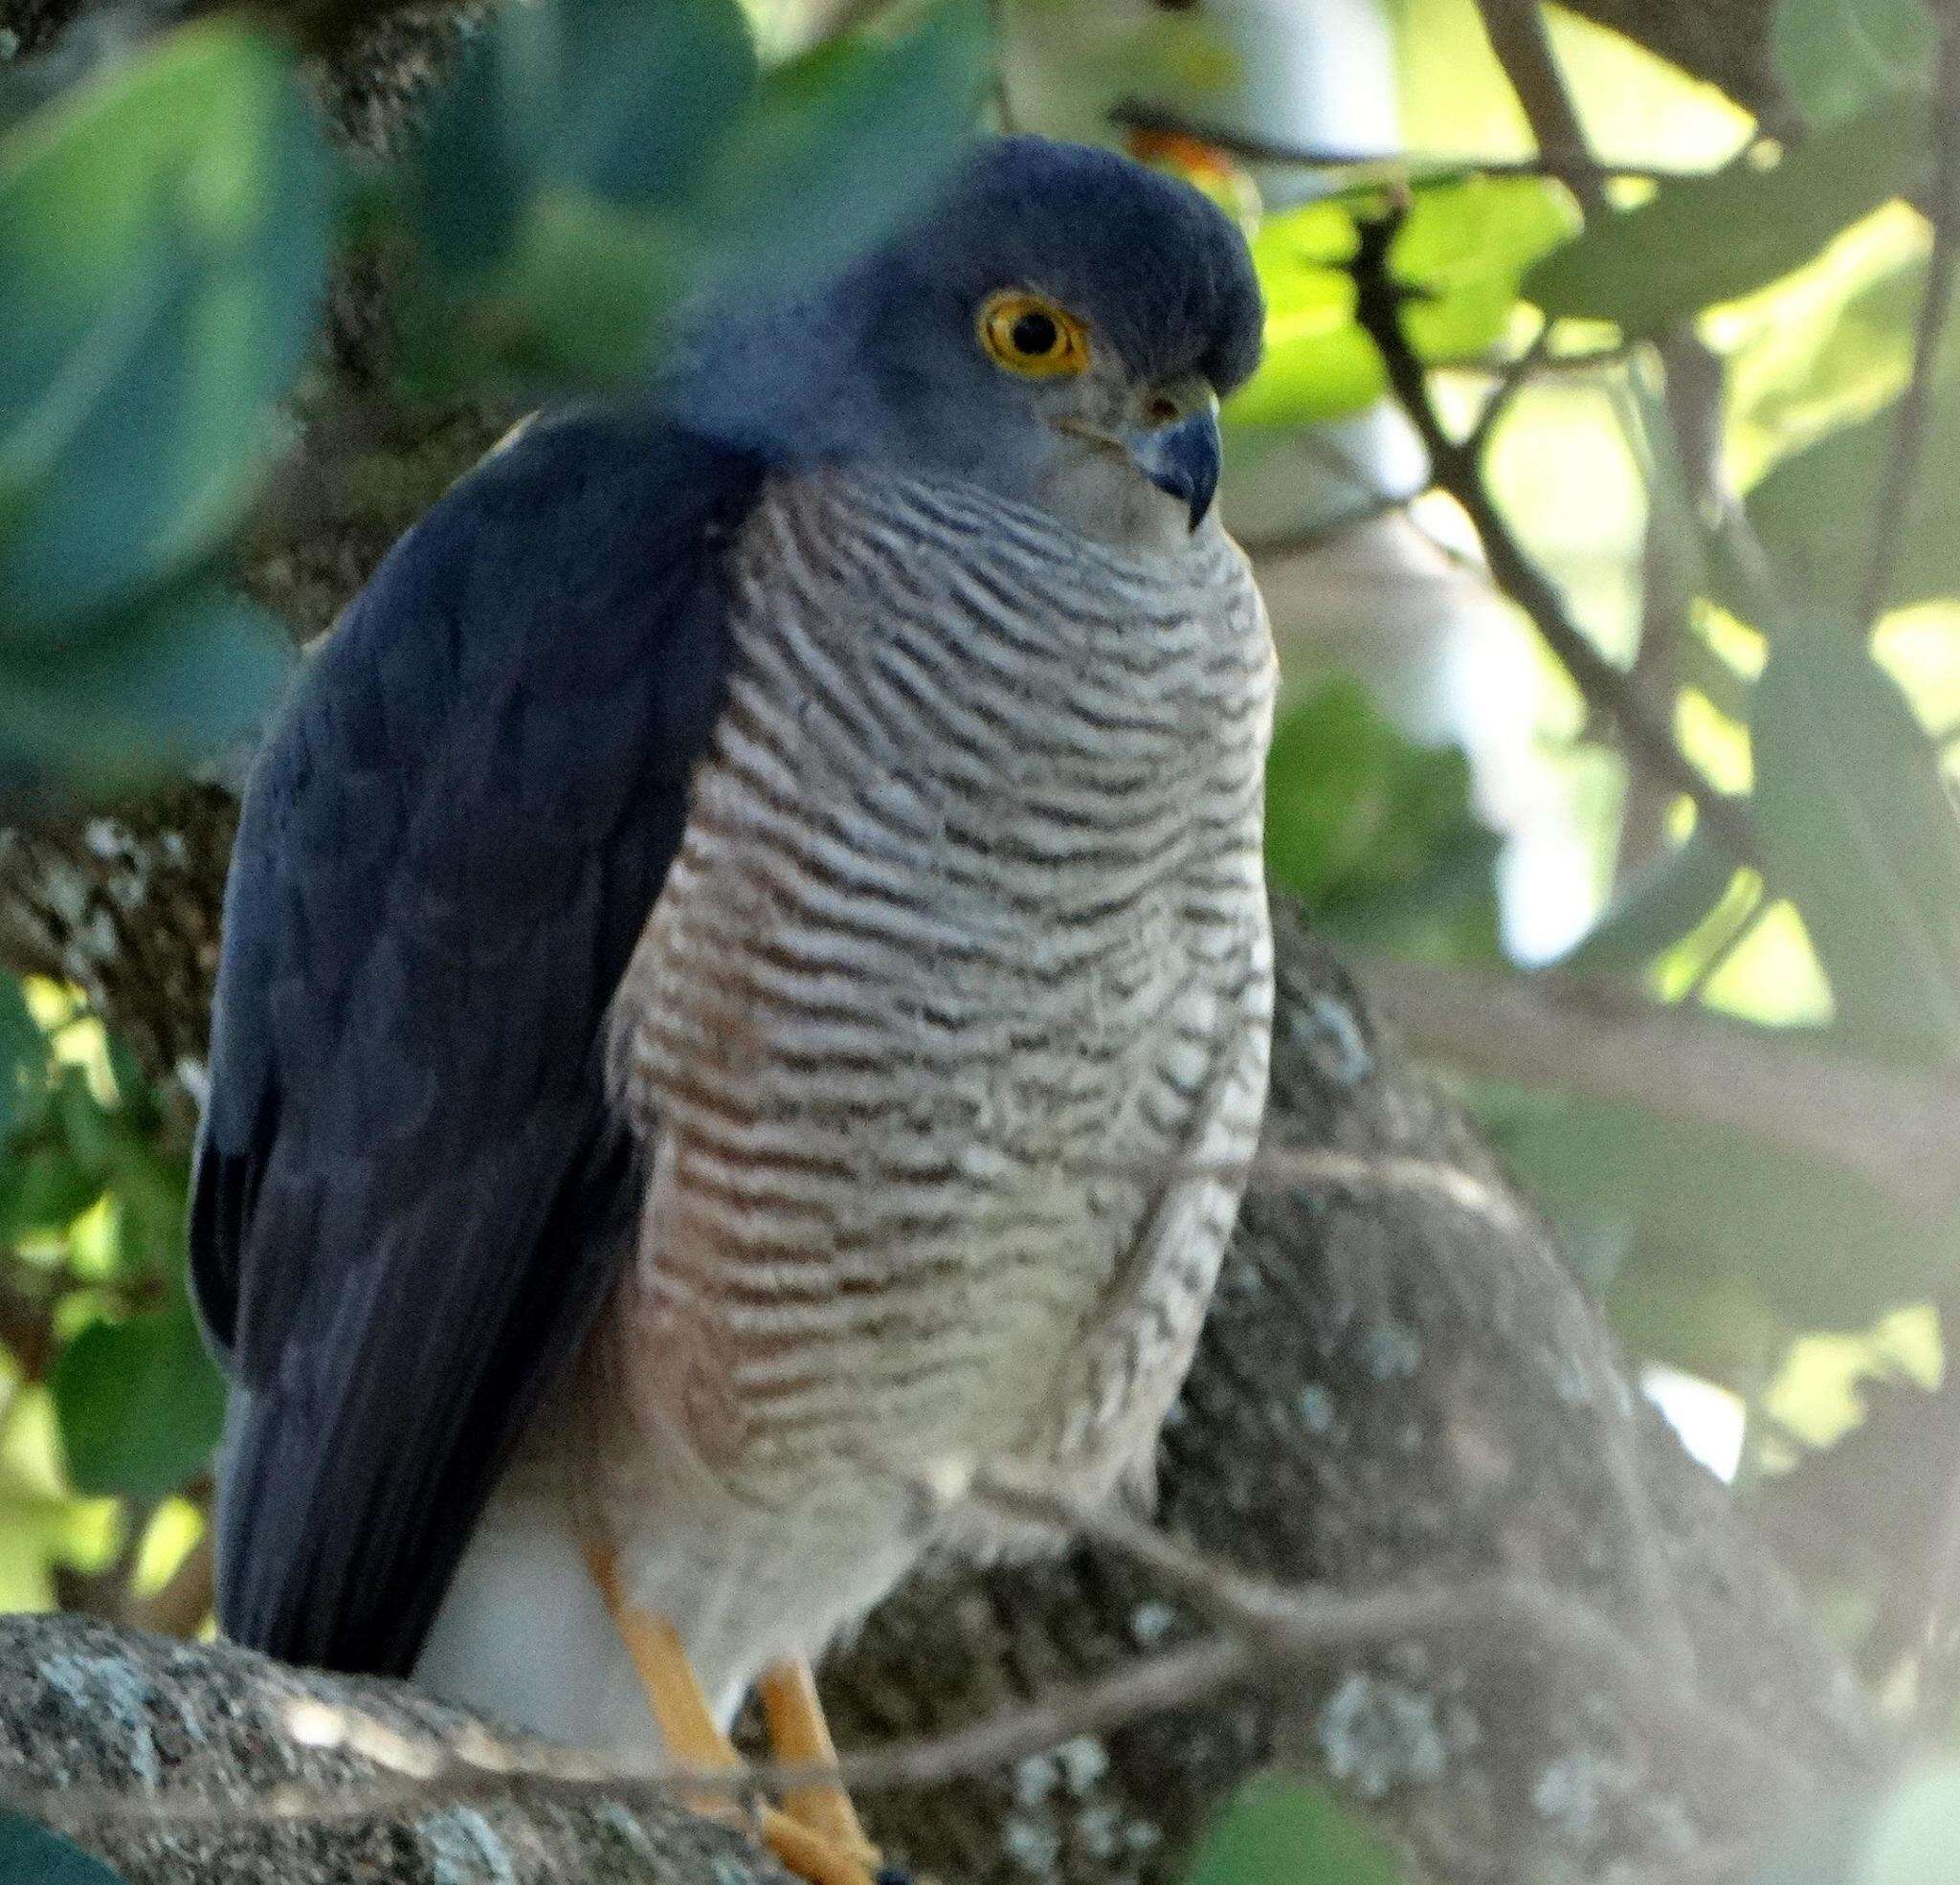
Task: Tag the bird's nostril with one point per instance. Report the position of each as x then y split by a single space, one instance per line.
1162 409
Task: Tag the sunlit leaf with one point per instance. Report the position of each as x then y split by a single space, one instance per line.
1815 512
140 1404
1859 830
1318 363
1281 1832
1667 900
1461 251
162 243
1464 249
30 1855
1826 346
1703 240
1837 58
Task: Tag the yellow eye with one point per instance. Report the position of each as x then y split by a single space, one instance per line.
1029 334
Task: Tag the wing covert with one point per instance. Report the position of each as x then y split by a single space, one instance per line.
409 1194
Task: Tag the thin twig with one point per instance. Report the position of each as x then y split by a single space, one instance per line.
1138 114
1512 380
1273 1633
1684 470
1281 1167
1457 469
1744 925
1899 487
1304 1624
1517 33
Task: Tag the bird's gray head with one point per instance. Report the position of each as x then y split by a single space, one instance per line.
1058 328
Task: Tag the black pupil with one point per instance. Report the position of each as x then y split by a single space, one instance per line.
1035 334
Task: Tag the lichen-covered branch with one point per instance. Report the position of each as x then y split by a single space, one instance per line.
182 1761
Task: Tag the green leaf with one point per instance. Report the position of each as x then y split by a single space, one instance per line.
1703 240
140 1404
23 1050
1814 510
1318 363
146 692
1461 251
561 251
651 85
1837 58
1859 831
30 1855
1283 1831
1823 362
624 100
1376 833
839 148
1669 899
46 1190
1732 1247
163 246
1464 249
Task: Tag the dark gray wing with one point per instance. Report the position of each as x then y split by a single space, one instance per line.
410 1196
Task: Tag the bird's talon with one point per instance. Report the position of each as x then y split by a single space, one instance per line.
816 1858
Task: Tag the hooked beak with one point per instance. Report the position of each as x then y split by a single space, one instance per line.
1181 455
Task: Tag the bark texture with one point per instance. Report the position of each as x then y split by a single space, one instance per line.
1402 1388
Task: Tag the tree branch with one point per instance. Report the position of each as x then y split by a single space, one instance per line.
1518 35
1403 1403
1889 1126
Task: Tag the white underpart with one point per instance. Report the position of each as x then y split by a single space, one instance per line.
523 1634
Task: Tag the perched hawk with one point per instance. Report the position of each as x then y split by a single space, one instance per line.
746 984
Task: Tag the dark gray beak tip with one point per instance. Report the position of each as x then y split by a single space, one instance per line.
1183 464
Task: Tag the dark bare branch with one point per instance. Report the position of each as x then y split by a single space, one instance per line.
1457 466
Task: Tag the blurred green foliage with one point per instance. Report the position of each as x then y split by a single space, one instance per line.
165 231
107 1393
1376 834
30 1854
163 239
1280 1833
1459 254
562 205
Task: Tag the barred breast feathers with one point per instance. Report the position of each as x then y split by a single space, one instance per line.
966 938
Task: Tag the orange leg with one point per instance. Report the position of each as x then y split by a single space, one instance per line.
825 1851
800 1736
